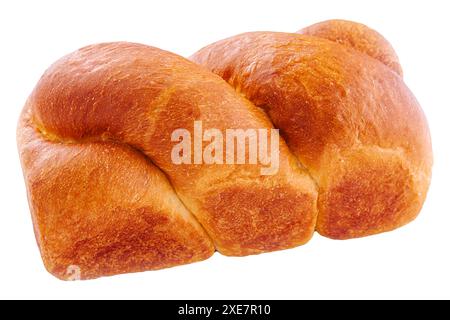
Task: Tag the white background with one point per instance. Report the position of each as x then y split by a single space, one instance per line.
412 262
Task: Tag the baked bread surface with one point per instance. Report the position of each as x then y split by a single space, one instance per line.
337 96
95 145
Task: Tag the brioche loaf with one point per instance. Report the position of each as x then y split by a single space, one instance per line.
94 140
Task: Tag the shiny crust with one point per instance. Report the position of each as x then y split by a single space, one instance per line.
346 116
104 208
359 37
94 141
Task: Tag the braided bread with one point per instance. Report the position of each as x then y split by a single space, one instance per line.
106 196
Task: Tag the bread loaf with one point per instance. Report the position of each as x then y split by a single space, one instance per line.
95 140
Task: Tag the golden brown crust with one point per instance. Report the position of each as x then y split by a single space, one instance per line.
369 190
95 145
96 104
349 120
359 37
251 211
104 208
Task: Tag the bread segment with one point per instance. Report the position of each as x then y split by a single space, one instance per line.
108 111
102 208
350 120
